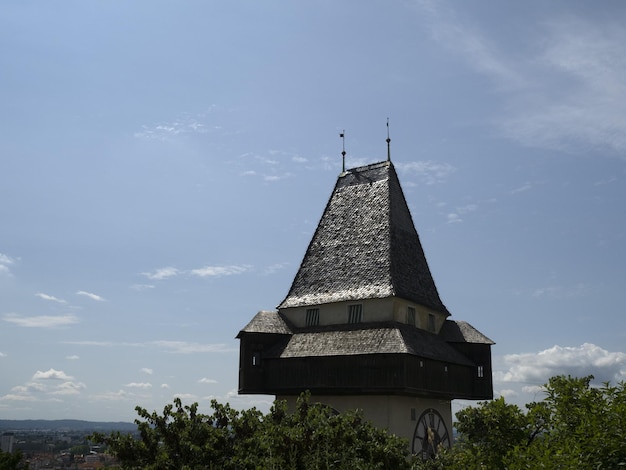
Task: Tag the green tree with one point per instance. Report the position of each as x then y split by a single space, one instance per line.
577 426
12 460
585 427
312 437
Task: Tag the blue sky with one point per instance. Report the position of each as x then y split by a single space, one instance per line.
163 166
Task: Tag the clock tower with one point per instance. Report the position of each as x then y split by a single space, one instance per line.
363 326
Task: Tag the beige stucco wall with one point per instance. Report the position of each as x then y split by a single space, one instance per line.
374 310
389 412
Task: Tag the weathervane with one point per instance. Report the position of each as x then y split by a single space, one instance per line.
342 135
388 143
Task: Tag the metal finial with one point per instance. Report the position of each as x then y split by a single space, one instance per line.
342 135
388 143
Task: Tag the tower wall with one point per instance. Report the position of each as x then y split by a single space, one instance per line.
397 414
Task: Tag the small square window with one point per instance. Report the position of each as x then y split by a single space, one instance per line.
355 312
312 316
410 316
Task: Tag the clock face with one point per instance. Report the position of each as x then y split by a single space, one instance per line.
430 434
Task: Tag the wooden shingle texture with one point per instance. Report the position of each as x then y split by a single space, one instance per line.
365 246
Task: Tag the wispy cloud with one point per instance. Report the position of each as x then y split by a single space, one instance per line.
147 370
566 91
205 271
69 388
51 298
204 380
184 125
169 346
429 172
41 321
5 264
561 292
90 295
455 217
523 188
219 271
142 287
138 385
112 396
162 273
184 347
274 268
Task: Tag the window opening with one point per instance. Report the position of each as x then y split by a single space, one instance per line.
481 372
312 316
355 312
256 358
431 323
410 316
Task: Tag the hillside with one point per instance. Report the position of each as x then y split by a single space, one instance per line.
64 425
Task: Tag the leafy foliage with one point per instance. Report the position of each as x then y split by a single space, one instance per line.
312 437
576 426
11 460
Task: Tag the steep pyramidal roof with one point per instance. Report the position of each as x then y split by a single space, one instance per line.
365 246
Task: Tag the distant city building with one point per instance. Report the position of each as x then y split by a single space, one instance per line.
363 325
7 440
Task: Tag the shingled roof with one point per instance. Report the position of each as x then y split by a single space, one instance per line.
373 338
462 332
365 246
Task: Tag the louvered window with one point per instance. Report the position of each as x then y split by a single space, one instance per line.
431 323
410 316
355 313
312 316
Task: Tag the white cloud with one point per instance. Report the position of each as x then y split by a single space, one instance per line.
162 273
219 271
561 292
523 188
69 388
51 374
587 359
112 396
51 298
90 295
17 397
565 92
138 385
454 218
147 370
73 357
142 287
41 321
5 262
186 396
164 386
205 380
185 124
428 171
274 268
2 354
183 347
